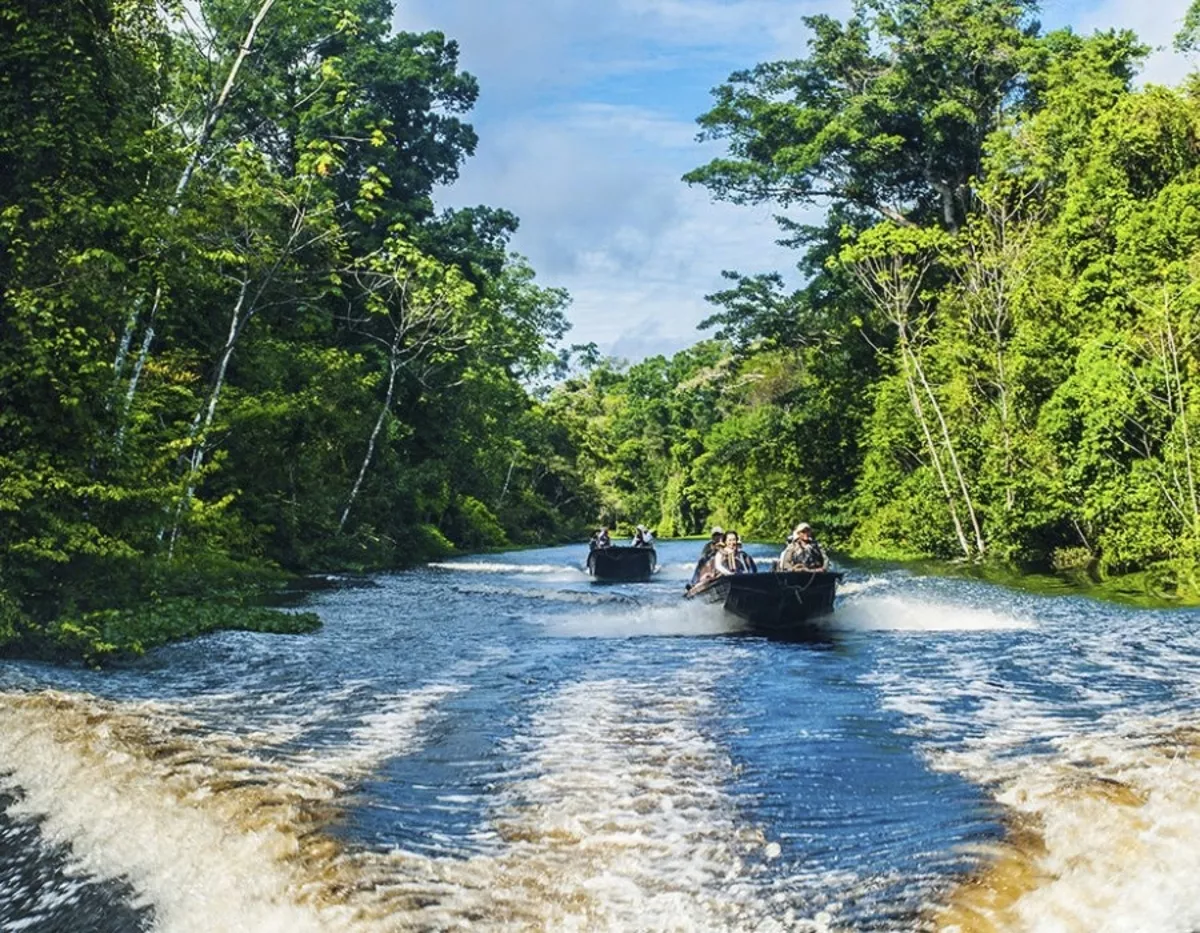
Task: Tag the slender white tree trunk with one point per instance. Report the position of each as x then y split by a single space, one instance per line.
198 147
958 473
204 418
393 367
914 398
214 113
507 479
1184 423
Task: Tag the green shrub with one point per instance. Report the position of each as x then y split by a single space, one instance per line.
476 526
113 634
430 543
14 624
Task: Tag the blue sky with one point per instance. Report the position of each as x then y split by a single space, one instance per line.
586 121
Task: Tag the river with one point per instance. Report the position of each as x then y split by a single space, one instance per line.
495 743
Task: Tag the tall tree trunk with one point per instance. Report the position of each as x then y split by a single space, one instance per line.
202 140
507 479
1010 465
214 113
393 367
914 398
945 430
204 418
1178 400
138 366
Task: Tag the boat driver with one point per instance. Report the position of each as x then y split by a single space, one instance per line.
601 539
803 552
731 559
643 537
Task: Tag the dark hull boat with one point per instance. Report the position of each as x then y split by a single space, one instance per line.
622 564
788 605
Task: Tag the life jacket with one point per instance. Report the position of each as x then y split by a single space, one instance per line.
809 556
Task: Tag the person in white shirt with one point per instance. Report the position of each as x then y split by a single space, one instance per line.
731 559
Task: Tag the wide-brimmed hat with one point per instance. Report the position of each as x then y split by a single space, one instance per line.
717 530
803 526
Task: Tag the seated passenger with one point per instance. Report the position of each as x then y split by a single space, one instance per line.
711 546
803 552
601 539
714 543
643 537
731 559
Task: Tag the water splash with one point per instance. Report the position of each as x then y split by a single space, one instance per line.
896 613
562 571
613 817
1105 838
192 823
684 618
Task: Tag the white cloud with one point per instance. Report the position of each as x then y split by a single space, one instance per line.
605 214
658 296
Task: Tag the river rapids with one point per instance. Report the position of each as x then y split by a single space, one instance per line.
497 744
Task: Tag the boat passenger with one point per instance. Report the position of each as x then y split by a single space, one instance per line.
643 537
713 544
704 562
601 539
803 552
731 559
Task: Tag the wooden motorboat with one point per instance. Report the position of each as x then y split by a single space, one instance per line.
622 563
792 604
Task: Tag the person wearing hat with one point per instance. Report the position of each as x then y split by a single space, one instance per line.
715 542
803 552
643 537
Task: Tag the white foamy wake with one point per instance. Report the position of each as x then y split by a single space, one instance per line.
908 614
856 587
619 817
1107 838
683 618
565 571
80 769
615 816
397 727
676 572
212 836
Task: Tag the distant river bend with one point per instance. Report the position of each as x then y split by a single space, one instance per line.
497 744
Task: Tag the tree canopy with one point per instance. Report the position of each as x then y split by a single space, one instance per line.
236 332
993 352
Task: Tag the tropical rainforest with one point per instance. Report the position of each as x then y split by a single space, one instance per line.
239 338
995 354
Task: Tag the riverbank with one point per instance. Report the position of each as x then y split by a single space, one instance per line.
1159 588
158 604
97 638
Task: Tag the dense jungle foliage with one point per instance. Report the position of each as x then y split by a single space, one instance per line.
996 351
236 333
